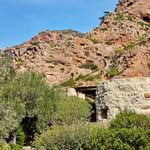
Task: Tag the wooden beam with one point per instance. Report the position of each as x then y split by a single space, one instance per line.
90 99
147 95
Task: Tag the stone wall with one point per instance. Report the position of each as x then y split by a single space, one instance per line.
73 92
115 95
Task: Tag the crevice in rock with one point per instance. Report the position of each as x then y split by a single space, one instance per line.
146 19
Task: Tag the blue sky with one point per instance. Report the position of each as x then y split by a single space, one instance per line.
20 20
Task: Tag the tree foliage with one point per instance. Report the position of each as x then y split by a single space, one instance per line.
72 110
25 95
27 100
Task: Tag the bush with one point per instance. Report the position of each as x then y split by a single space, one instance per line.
148 64
123 139
9 118
81 77
119 17
72 110
95 41
128 131
89 66
64 138
94 67
135 138
119 51
108 42
16 147
131 44
20 136
93 137
112 72
69 83
103 29
130 18
143 24
91 78
4 146
87 77
36 43
143 37
129 119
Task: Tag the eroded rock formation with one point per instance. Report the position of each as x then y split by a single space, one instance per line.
118 48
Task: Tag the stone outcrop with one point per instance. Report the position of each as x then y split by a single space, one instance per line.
119 94
136 8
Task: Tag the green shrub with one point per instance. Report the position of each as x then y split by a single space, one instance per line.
135 138
4 146
81 77
69 83
93 137
94 67
91 78
129 119
52 45
123 139
108 42
88 77
51 67
143 24
64 137
114 23
104 139
36 43
89 66
119 51
143 37
33 57
103 29
131 44
20 136
16 147
148 64
128 131
20 60
112 72
6 61
130 18
71 110
119 17
95 41
79 84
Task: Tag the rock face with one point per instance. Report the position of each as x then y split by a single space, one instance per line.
135 8
118 48
117 94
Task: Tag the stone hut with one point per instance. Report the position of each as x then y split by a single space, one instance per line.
115 95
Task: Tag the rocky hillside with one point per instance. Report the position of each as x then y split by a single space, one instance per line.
118 48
